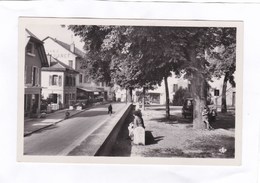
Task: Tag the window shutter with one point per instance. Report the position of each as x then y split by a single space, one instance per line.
31 75
50 78
60 80
36 76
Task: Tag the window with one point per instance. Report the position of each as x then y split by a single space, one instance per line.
60 80
54 80
216 92
85 79
30 49
80 78
35 76
53 97
74 81
70 81
71 63
66 98
175 87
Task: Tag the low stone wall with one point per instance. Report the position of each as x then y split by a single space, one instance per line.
106 147
101 140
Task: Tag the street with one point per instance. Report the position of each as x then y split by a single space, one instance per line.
61 138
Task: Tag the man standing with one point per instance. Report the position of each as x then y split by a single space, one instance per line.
110 109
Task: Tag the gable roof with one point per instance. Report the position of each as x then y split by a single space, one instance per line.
40 48
77 51
30 34
56 65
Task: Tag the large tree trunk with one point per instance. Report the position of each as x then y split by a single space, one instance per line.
199 101
199 90
167 98
224 91
143 106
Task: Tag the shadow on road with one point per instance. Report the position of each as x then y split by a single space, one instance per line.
224 120
174 119
90 114
122 146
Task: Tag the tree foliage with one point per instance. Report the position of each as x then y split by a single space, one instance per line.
142 56
180 95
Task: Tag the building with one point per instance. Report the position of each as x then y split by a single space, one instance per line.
58 83
35 59
74 58
216 92
158 96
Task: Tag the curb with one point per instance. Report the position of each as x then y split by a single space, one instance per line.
30 133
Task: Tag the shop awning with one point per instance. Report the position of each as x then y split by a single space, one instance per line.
95 91
85 89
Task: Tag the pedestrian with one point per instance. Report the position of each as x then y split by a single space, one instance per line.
205 117
110 109
138 122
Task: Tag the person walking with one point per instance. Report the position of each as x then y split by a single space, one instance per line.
110 109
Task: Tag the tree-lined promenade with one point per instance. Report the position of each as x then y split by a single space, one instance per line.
142 57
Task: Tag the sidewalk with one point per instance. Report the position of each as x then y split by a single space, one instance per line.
177 138
32 125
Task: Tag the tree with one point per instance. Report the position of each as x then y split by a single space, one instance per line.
138 56
144 56
180 96
195 43
223 62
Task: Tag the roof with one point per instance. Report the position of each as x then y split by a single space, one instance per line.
40 48
77 52
56 65
31 35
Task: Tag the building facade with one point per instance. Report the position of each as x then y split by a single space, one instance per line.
216 88
35 59
158 96
215 91
74 58
58 83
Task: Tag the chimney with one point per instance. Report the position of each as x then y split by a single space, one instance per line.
49 59
72 47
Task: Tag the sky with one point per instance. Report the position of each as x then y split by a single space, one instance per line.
55 31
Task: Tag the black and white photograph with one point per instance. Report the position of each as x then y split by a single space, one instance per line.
130 91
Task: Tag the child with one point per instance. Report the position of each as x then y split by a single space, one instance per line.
205 118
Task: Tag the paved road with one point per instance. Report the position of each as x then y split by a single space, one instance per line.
61 138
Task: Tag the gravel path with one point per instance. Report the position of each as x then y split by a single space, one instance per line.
177 138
